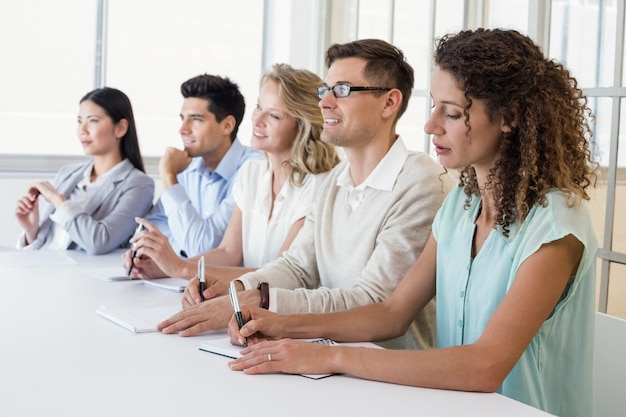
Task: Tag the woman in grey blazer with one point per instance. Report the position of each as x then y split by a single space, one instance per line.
92 205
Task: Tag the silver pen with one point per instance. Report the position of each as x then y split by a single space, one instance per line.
234 300
133 253
201 278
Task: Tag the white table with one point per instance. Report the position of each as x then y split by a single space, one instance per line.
59 358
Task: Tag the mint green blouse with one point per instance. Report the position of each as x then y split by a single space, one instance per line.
555 371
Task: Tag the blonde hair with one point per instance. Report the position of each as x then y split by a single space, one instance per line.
297 88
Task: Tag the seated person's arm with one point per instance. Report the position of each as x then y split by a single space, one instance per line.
481 366
218 274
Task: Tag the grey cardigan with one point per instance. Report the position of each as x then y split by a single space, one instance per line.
107 219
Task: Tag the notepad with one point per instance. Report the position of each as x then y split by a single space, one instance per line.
223 347
138 320
174 284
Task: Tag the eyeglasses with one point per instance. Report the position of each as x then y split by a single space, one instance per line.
343 90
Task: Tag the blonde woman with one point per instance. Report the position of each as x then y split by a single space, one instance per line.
272 195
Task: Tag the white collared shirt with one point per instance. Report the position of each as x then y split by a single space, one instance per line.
382 177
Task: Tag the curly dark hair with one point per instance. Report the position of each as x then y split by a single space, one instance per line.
548 146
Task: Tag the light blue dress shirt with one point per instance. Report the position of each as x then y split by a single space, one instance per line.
194 213
555 371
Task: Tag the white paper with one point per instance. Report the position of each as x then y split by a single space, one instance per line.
223 347
138 320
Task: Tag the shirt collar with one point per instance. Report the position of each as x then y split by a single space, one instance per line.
384 175
112 173
227 167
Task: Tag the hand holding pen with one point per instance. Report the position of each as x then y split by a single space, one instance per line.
133 253
201 278
234 300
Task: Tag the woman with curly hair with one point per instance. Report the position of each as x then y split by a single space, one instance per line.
272 194
511 257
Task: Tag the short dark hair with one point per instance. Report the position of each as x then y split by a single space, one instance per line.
117 106
386 65
223 96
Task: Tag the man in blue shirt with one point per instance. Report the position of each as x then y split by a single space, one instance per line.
196 204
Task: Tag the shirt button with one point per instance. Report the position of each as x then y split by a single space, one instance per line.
462 294
460 323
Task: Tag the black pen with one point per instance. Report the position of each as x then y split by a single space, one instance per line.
202 284
133 254
232 291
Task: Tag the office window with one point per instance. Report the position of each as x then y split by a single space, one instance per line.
374 19
151 48
47 66
449 16
509 14
412 34
617 290
582 35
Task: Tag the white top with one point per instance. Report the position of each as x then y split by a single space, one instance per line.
262 235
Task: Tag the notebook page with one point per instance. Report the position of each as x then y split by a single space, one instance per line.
138 320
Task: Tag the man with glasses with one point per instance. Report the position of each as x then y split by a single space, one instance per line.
371 219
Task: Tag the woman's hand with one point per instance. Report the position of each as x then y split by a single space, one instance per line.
47 191
260 324
287 356
27 215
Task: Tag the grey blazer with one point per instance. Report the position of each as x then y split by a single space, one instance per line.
107 219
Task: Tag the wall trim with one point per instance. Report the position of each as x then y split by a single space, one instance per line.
19 163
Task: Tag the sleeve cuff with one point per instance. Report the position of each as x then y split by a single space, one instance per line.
66 212
21 243
273 300
249 281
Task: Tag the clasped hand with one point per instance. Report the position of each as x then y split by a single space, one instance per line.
27 208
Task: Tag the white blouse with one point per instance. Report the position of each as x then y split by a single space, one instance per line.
262 235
